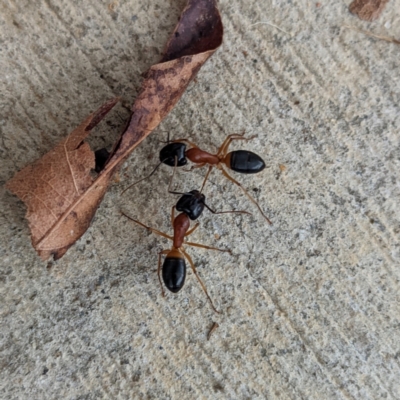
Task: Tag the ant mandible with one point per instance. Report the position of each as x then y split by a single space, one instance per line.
191 206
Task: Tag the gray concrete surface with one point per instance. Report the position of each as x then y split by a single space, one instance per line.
310 306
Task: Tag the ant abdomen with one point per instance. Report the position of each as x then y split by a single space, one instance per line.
245 162
174 271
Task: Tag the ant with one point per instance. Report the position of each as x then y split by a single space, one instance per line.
242 161
190 206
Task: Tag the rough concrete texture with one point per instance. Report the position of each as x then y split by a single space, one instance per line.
310 306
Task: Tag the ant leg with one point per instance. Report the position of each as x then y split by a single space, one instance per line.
224 147
172 215
200 281
203 246
194 167
159 270
247 194
206 177
190 231
147 227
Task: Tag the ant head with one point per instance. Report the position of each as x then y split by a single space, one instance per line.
171 151
192 204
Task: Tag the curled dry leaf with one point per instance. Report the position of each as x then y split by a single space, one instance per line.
58 190
368 10
55 190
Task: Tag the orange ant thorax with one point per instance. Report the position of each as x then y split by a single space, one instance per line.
198 156
181 226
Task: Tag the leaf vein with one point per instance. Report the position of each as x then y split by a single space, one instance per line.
70 166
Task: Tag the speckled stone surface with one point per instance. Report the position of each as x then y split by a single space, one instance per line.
310 306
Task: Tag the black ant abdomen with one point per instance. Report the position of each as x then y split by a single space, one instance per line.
174 271
244 161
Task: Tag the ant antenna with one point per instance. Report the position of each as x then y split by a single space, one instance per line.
140 180
181 193
227 212
162 141
206 177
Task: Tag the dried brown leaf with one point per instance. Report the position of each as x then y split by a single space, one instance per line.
58 190
368 10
